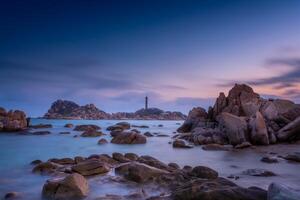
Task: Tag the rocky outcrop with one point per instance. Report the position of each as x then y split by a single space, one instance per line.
12 120
243 117
62 109
129 137
150 114
73 186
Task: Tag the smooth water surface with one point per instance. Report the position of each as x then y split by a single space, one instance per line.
17 151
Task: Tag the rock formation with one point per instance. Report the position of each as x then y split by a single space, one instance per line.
63 109
12 120
243 117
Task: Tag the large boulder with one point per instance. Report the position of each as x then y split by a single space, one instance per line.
290 131
216 189
273 109
280 192
87 127
241 101
12 120
91 167
129 137
195 116
235 128
259 132
73 187
139 172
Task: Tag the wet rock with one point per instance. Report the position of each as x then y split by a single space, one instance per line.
73 186
64 133
243 145
129 138
102 141
268 159
180 144
280 192
104 158
174 166
215 147
87 127
293 157
35 162
46 168
91 167
62 161
131 156
258 172
290 131
120 158
235 127
12 120
148 134
79 159
204 172
195 116
162 135
149 160
259 132
91 133
117 128
139 172
140 126
12 195
216 189
41 133
69 126
37 126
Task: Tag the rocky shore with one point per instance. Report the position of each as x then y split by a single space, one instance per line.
242 119
12 120
69 179
63 109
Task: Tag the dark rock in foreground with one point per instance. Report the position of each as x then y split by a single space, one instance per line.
73 187
243 117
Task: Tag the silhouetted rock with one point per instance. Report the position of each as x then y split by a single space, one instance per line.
62 109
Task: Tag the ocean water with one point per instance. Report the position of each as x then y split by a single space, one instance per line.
17 151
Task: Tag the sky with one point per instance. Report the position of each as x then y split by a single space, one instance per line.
113 53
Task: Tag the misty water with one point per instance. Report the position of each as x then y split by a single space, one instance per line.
17 151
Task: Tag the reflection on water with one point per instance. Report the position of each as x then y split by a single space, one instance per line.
17 151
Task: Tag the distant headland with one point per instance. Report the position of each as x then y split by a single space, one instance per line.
64 109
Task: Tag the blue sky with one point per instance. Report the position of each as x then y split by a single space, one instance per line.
113 53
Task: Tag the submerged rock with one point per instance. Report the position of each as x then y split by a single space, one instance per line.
215 147
73 187
37 126
148 134
293 157
12 195
41 133
69 126
268 159
91 167
180 144
87 127
46 168
280 192
216 189
102 141
91 133
258 172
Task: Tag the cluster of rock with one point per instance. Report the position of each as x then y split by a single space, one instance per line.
150 114
243 118
70 179
12 120
62 109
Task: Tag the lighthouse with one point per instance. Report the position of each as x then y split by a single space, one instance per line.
146 103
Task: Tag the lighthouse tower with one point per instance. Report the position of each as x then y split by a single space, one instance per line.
146 103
